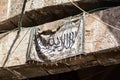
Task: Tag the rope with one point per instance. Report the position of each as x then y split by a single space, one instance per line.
98 9
17 36
93 16
21 16
21 40
15 47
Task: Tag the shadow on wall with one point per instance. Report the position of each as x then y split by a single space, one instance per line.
94 73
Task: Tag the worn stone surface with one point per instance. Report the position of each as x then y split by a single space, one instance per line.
84 63
3 10
11 8
51 13
16 5
98 37
6 75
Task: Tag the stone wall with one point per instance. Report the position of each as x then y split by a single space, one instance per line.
3 10
16 5
10 8
98 37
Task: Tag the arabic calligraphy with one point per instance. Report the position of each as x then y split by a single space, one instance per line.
64 43
60 43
